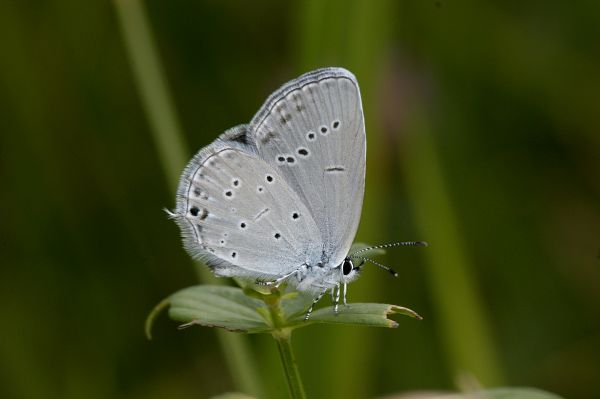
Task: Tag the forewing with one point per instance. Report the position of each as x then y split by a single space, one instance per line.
238 213
312 132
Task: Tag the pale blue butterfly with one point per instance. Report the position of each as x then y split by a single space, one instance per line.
279 199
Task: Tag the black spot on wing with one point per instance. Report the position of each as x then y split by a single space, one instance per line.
334 169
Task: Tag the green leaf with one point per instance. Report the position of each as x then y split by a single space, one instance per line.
248 311
218 306
359 314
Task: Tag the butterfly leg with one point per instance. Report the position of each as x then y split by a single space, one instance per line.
345 290
277 282
317 299
336 300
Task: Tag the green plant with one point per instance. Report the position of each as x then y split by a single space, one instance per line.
278 311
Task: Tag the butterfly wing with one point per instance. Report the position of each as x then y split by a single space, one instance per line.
238 214
312 132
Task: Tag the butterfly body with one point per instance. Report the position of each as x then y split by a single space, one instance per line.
280 198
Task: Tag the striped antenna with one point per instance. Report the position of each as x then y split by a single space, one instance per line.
384 267
390 245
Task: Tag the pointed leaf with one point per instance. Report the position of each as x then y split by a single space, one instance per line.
360 314
217 306
233 309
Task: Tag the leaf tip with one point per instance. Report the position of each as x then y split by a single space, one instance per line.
395 309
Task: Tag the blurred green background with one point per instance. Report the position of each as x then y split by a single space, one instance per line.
483 128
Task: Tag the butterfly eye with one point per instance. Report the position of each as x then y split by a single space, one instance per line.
347 267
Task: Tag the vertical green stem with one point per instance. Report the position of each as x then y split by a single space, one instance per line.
290 367
465 329
283 337
157 102
152 86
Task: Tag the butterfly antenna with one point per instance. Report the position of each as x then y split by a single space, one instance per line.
390 245
384 267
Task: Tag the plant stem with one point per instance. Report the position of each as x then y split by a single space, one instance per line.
292 374
283 336
465 327
152 87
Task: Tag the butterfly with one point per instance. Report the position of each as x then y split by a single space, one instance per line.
279 199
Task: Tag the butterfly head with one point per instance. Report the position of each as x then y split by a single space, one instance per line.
348 270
